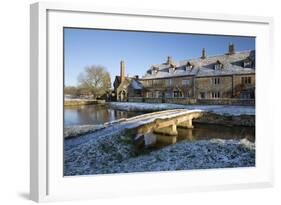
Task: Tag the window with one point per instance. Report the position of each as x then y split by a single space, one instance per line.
169 82
245 95
185 82
247 63
149 83
215 94
249 80
246 80
177 94
216 81
137 93
149 94
156 82
218 65
172 69
188 93
189 66
156 94
167 94
202 95
154 72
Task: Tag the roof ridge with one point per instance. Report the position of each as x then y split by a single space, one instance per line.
197 58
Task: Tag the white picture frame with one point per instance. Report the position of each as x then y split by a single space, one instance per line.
46 152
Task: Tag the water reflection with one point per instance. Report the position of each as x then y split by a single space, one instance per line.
201 132
99 114
93 114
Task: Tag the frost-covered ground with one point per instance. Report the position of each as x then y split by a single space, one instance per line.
218 109
111 150
116 153
77 130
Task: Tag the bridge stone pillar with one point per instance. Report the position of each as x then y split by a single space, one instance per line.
186 124
169 130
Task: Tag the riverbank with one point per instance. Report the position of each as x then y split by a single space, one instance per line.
79 102
214 114
77 130
111 148
205 118
116 153
227 120
151 107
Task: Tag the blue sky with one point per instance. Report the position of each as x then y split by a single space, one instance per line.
139 50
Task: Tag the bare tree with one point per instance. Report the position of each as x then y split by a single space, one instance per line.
71 90
95 80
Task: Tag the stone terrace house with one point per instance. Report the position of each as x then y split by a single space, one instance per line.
229 77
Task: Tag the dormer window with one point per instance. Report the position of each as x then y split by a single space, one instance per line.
247 63
189 66
218 65
155 70
172 69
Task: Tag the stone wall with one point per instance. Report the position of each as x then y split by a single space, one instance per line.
238 86
226 101
180 100
136 99
206 85
221 101
152 100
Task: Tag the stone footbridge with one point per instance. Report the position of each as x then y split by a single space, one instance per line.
163 123
166 122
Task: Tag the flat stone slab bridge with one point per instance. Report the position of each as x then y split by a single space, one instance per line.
166 122
162 122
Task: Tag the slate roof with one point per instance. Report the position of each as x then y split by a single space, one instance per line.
231 64
118 78
135 84
117 81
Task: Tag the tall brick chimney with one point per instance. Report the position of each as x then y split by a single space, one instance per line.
231 49
203 53
122 71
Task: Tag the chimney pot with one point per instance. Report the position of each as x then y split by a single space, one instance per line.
169 60
231 49
203 53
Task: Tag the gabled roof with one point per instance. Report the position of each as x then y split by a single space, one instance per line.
232 64
117 81
124 84
118 78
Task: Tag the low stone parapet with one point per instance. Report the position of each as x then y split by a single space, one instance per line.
193 101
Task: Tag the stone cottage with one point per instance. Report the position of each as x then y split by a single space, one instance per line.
227 76
230 75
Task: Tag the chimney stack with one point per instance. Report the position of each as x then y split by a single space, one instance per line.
122 71
231 49
203 53
169 60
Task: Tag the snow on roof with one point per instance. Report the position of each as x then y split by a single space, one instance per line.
135 84
232 64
